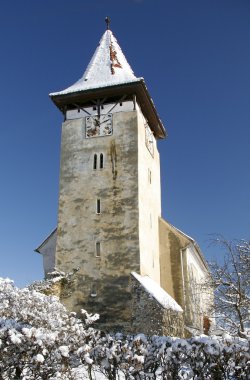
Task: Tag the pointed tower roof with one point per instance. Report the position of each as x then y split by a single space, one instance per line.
109 75
107 67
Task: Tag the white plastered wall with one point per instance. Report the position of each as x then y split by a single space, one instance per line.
149 204
197 298
48 251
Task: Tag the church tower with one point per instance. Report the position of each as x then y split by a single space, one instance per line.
131 266
110 198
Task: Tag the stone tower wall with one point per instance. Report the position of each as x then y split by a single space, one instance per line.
102 283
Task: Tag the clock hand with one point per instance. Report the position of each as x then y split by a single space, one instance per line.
104 121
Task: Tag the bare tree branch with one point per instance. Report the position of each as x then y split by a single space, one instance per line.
231 284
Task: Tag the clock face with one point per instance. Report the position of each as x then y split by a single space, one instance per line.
149 139
97 126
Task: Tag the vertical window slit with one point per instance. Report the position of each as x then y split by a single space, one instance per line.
95 161
101 161
149 176
98 206
93 292
98 249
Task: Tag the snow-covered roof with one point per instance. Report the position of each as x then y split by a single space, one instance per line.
108 67
157 292
109 76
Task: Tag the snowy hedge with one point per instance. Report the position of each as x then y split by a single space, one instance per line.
40 340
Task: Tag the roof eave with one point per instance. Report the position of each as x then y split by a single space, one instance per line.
45 241
136 87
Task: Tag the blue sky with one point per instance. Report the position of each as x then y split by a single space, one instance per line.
195 58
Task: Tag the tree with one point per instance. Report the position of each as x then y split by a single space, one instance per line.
231 283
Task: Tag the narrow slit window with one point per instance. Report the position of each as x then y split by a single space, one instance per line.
149 176
95 162
93 292
98 206
98 249
101 161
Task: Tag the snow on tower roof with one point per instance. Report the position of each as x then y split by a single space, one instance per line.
157 292
108 67
107 76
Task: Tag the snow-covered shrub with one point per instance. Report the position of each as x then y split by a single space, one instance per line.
157 357
40 340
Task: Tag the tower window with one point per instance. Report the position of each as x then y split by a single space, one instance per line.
93 292
101 161
98 249
149 176
98 206
95 162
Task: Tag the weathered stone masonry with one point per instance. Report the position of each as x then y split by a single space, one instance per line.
150 317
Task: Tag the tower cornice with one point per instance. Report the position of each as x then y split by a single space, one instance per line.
137 88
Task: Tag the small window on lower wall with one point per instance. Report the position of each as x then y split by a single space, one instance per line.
98 249
93 292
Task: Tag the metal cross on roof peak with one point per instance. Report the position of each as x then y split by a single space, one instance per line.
107 20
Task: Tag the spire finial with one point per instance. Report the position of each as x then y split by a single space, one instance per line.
107 20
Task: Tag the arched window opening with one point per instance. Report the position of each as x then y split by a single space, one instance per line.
101 161
95 162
